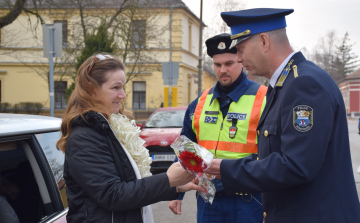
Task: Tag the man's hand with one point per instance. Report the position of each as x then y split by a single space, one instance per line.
214 169
175 206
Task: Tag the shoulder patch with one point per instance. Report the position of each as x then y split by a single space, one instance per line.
303 118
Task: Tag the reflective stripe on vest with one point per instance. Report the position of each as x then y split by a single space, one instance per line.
244 142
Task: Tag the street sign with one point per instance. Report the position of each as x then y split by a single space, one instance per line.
174 72
174 92
57 39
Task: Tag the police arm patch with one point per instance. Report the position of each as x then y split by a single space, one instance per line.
303 118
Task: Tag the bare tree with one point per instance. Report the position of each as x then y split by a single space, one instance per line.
325 57
14 12
123 19
348 62
335 57
218 25
325 51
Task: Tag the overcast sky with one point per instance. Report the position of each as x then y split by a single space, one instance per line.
311 19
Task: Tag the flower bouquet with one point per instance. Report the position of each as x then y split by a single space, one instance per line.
196 159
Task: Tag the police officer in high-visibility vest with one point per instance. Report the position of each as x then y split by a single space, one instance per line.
224 120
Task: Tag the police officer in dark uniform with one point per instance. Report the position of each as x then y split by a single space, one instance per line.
303 165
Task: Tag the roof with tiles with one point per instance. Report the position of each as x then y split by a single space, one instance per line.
89 4
355 75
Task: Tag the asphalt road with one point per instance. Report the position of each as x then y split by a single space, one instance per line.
162 213
355 150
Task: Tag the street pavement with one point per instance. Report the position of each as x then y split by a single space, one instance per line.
355 150
162 214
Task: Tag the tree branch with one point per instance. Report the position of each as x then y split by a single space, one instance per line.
13 14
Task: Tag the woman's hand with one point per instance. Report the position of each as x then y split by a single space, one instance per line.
178 176
190 186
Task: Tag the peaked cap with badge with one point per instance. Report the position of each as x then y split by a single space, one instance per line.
245 23
303 166
219 44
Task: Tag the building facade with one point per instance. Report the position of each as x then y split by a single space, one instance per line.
350 89
24 70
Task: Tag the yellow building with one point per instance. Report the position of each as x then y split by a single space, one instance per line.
24 70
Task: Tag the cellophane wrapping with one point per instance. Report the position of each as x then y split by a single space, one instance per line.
196 159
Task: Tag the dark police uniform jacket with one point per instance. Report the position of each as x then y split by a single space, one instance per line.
304 168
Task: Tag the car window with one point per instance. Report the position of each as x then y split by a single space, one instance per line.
166 119
56 160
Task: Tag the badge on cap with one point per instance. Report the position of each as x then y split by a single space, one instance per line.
221 46
303 118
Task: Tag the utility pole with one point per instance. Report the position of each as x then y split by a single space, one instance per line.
200 49
171 11
51 67
52 47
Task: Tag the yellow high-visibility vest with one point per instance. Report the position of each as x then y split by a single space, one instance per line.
212 131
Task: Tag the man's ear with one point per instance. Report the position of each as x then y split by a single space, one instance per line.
264 41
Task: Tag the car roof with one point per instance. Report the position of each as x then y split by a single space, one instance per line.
18 124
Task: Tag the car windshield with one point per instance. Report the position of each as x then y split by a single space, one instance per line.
166 119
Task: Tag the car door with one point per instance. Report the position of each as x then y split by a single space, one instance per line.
55 159
26 166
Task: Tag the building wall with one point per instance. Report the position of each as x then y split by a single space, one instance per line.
22 84
354 96
208 81
351 95
23 55
354 101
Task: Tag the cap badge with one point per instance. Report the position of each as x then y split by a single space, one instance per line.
221 46
246 32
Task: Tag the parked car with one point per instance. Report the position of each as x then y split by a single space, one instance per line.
159 132
31 165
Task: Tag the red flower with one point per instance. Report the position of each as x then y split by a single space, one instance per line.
192 162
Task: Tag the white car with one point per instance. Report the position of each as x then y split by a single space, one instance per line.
31 166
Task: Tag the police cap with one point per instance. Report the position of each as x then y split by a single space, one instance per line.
245 23
219 44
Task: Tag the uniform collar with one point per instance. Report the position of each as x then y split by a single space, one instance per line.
235 94
277 73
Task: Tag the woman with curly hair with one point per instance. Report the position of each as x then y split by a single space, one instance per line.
103 180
